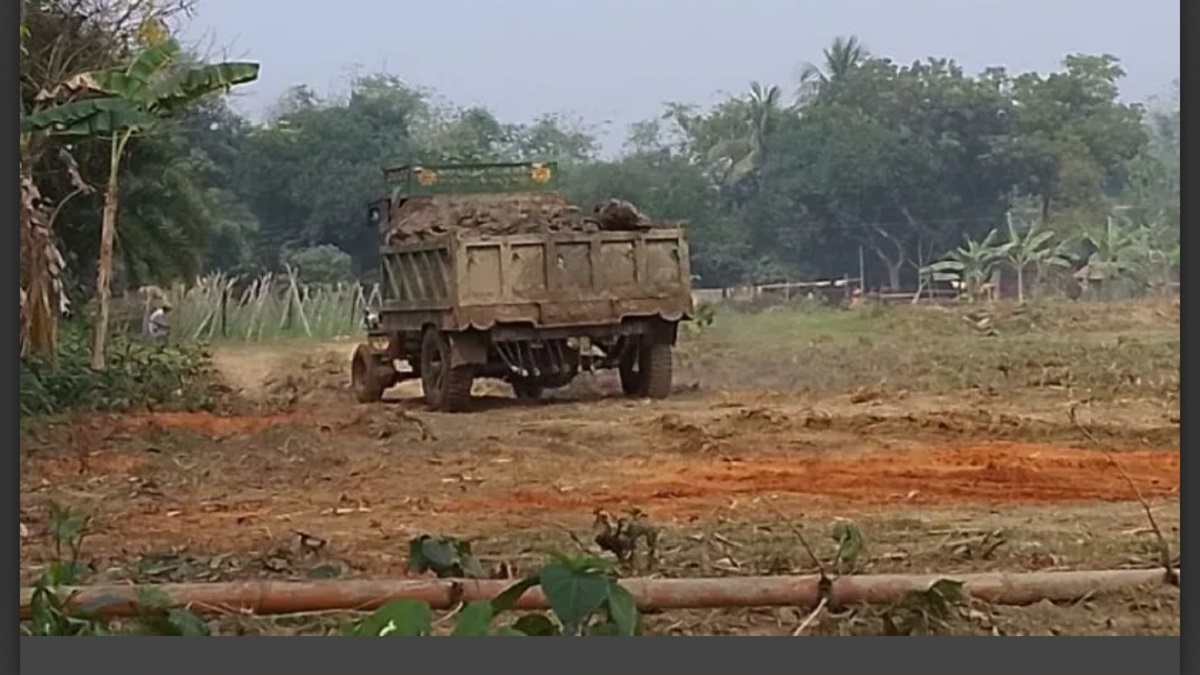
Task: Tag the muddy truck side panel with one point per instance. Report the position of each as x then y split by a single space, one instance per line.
517 285
536 281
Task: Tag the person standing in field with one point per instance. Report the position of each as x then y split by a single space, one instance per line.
156 326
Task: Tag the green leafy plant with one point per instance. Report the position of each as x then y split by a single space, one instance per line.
1032 250
444 556
974 264
850 546
51 612
138 375
926 612
621 536
585 599
702 318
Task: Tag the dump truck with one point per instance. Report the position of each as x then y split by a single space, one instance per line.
487 271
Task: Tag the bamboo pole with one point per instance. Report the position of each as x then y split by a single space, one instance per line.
290 597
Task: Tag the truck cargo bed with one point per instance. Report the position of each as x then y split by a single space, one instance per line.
460 280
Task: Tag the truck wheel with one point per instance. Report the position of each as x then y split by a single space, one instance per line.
368 376
446 389
631 374
528 391
656 369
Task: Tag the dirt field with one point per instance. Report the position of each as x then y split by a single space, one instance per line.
945 435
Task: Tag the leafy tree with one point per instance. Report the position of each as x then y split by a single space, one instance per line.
58 40
553 137
132 99
307 174
669 187
1072 133
321 264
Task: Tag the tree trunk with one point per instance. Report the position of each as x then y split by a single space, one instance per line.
108 226
38 318
108 232
1020 284
894 275
893 266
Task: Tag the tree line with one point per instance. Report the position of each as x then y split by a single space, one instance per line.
911 172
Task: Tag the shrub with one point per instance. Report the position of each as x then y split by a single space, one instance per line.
139 374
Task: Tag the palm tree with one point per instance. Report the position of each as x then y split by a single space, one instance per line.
1035 248
841 57
746 154
127 101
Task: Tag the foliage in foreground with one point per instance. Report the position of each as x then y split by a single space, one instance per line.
583 592
50 614
584 595
138 374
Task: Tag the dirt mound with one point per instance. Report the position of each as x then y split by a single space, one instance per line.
308 381
501 214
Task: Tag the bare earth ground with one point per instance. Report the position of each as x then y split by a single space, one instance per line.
943 434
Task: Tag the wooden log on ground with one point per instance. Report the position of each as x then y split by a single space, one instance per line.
290 597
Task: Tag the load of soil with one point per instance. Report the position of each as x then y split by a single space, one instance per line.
501 214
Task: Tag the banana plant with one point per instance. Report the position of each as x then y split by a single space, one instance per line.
1035 248
1120 252
972 264
118 104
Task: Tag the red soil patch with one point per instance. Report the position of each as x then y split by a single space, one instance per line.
994 473
204 422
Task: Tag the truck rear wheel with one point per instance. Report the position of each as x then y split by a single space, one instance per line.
648 370
369 375
446 388
528 391
657 367
631 376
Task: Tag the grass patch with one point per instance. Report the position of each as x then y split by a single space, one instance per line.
1098 351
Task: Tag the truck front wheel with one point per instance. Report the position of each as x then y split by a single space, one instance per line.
370 374
446 388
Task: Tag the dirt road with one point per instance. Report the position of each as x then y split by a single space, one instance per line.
345 468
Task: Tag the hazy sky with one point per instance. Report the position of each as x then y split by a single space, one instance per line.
618 61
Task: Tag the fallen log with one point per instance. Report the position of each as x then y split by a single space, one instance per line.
291 597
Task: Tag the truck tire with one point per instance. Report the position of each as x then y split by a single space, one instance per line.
656 369
446 389
631 376
527 391
369 378
647 370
